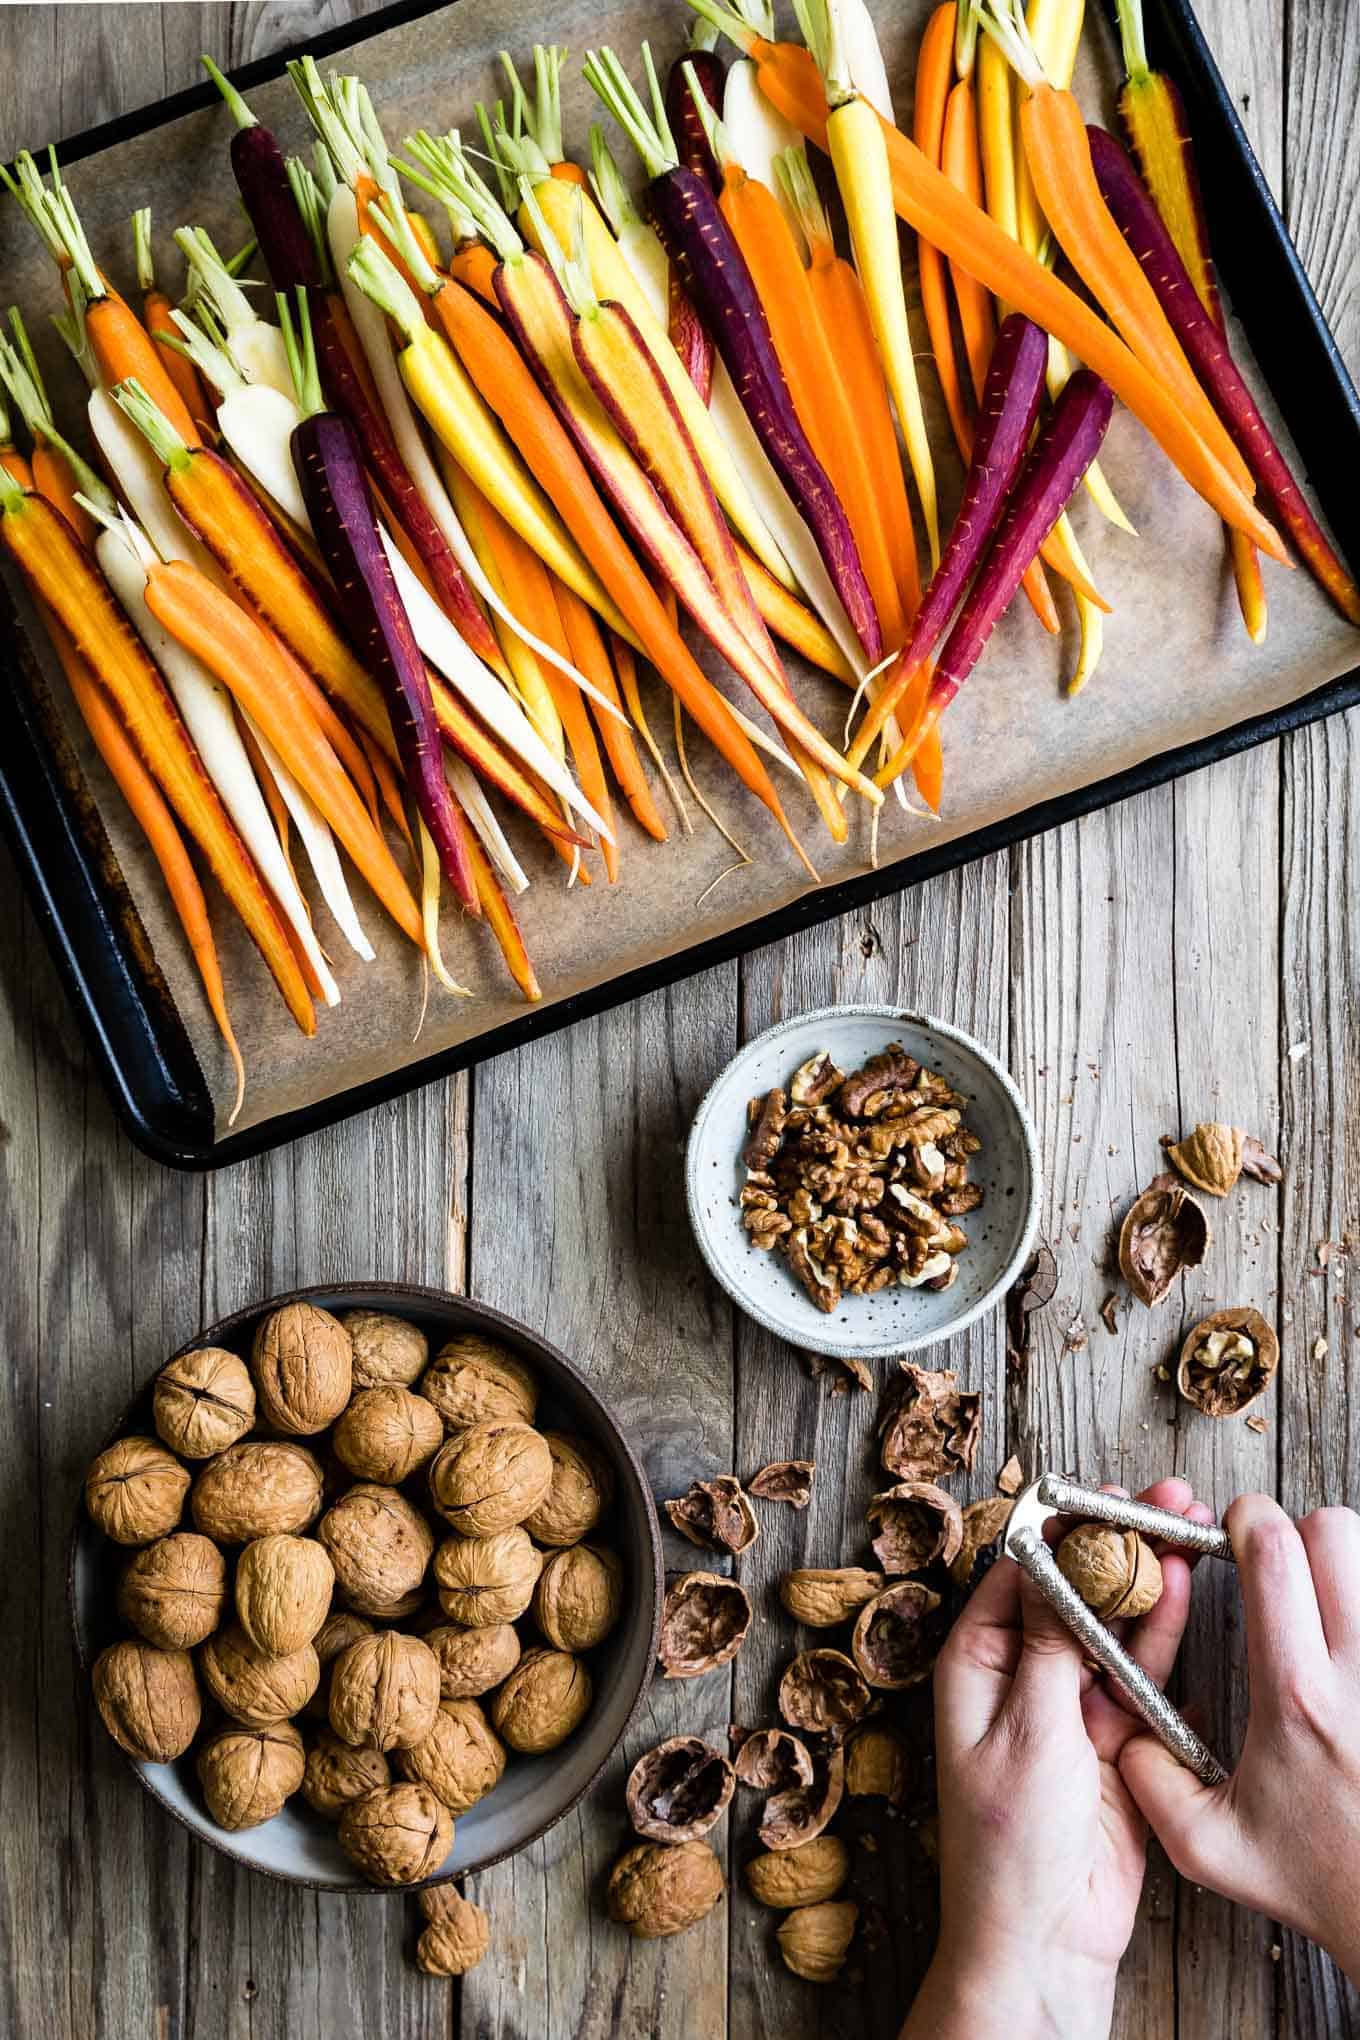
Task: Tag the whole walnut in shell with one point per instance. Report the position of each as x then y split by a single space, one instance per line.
283 1591
913 1525
704 1621
379 1546
397 1834
256 1489
815 1940
487 1579
491 1476
581 1489
543 1701
248 1773
336 1773
303 1364
251 1686
458 1934
147 1699
134 1491
1113 1570
877 1765
461 1759
473 1380
823 1596
385 1691
805 1876
173 1591
579 1596
679 1790
387 1351
341 1628
472 1661
656 1889
386 1433
894 1642
203 1402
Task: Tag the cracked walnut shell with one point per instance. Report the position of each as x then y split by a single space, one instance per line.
704 1621
385 1691
1228 1362
461 1759
716 1513
815 1940
173 1591
581 1489
656 1889
283 1592
458 1934
336 1773
487 1579
397 1834
303 1365
983 1523
928 1429
147 1699
250 1685
386 1433
203 1402
1114 1571
915 1523
490 1476
782 1878
798 1815
821 1691
893 1643
247 1774
387 1351
544 1700
679 1790
255 1489
472 1661
474 1380
784 1480
772 1760
134 1491
822 1596
579 1596
1164 1232
379 1545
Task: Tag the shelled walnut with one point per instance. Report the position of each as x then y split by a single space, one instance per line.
857 1180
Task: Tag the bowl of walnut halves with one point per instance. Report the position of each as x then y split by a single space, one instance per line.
864 1181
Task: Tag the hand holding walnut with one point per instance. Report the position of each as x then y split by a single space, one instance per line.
1255 1838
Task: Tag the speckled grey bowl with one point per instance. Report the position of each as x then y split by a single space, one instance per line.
297 1845
1000 1232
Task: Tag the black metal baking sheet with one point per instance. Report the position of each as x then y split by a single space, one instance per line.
91 924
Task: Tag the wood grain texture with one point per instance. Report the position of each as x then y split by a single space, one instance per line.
1143 968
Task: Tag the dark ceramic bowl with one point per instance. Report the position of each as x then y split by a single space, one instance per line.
297 1845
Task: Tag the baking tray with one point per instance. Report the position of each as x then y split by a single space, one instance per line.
91 923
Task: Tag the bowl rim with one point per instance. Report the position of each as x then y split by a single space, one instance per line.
379 1295
848 1346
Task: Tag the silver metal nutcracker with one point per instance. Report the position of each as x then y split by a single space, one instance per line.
1052 1495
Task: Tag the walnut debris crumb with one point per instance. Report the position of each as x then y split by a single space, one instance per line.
1108 1316
1011 1478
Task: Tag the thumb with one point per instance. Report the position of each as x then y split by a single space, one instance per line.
1185 1815
1048 1676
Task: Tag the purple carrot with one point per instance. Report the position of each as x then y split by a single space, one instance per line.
258 165
329 464
1206 349
713 271
1006 418
692 146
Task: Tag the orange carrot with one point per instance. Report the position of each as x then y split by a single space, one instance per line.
54 481
474 266
961 163
500 918
590 655
934 73
156 315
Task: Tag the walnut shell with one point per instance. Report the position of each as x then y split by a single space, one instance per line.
256 1489
386 1433
304 1368
341 1628
821 1690
716 1513
491 1476
893 1642
822 1596
487 1579
473 1380
379 1546
1211 1157
1113 1570
472 1661
878 1765
458 1935
1164 1231
655 1889
461 1759
147 1699
794 1817
679 1790
772 1760
336 1773
203 1402
703 1624
579 1596
248 1773
927 1429
174 1591
387 1351
397 1834
782 1878
253 1687
785 1480
917 1523
134 1491
544 1700
283 1591
815 1939
1228 1362
385 1691
983 1523
581 1489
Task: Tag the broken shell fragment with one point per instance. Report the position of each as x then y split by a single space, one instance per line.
716 1513
1210 1157
893 1642
787 1480
928 1429
983 1523
796 1816
772 1760
703 1624
1228 1362
914 1524
822 1690
1164 1232
679 1790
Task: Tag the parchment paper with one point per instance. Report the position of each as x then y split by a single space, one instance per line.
1177 665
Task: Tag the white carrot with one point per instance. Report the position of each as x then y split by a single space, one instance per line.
255 345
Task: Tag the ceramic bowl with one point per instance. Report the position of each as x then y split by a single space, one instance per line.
297 1845
1000 1232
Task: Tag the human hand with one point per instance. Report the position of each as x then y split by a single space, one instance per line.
1283 1834
1041 1845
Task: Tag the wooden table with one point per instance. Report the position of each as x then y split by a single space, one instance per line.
1192 953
